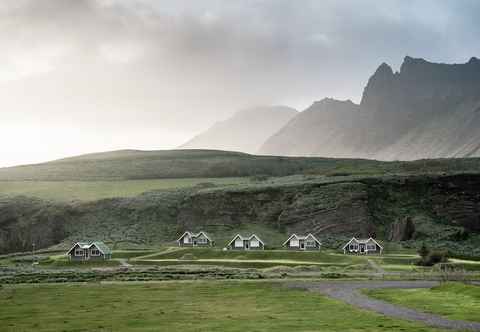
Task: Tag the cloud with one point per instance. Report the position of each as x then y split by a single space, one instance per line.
167 69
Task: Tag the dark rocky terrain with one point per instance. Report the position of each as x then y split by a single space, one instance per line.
426 110
444 211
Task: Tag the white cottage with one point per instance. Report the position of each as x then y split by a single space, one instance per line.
302 242
252 242
189 239
362 246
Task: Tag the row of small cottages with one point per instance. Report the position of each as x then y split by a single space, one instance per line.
82 251
294 242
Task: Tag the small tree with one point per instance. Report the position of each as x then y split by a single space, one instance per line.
423 252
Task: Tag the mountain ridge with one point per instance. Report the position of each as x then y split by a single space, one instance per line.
421 111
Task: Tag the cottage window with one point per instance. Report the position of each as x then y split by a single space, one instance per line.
95 252
371 247
186 239
78 252
310 243
254 243
353 246
202 240
294 243
238 243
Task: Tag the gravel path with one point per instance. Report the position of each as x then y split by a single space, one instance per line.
349 292
375 266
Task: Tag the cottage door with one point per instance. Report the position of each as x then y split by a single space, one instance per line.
247 245
302 246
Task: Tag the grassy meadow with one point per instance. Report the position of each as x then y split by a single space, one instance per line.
286 255
186 306
95 190
451 300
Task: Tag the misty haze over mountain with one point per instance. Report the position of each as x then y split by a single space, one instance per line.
80 76
245 131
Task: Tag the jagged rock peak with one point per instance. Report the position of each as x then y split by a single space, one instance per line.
384 70
330 101
410 64
474 60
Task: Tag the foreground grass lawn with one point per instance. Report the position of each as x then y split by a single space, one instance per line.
185 306
452 300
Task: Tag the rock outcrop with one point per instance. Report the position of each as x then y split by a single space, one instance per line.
402 230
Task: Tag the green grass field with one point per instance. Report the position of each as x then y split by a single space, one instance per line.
304 256
94 190
322 260
452 300
185 306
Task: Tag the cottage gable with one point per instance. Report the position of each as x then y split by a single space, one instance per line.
362 246
246 243
192 239
82 251
302 242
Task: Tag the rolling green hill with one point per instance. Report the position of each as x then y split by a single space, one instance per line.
136 165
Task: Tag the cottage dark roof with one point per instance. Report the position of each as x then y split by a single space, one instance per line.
303 237
86 245
102 247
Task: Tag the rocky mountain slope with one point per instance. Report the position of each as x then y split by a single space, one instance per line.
426 110
441 210
245 131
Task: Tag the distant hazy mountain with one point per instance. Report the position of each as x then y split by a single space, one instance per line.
426 110
245 131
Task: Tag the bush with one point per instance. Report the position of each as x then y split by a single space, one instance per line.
434 257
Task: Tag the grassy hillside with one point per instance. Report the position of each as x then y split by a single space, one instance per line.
95 190
443 209
134 165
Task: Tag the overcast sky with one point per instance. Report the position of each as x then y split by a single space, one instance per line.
80 76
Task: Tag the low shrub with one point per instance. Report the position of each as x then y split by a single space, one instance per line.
434 257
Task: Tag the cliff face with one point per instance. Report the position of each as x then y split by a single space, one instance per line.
444 210
426 110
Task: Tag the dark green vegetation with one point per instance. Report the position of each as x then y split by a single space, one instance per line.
444 212
198 306
431 257
141 165
65 271
332 198
452 300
